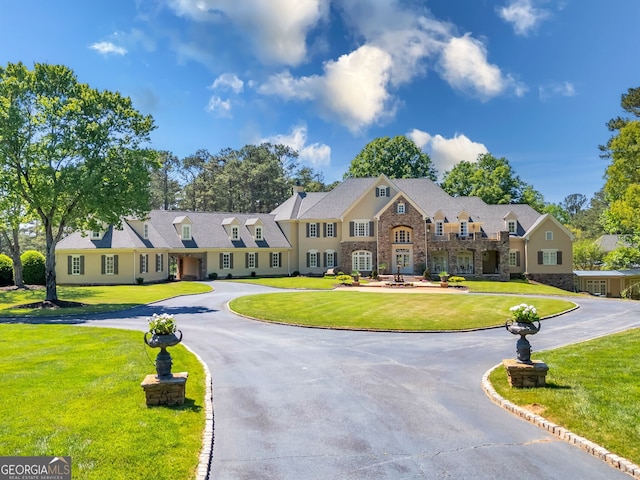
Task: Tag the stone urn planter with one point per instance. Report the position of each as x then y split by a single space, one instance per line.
163 360
162 334
523 323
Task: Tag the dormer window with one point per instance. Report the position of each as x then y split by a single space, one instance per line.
464 228
145 231
383 191
511 226
235 233
186 232
95 235
259 233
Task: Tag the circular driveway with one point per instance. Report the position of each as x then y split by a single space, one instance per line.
299 403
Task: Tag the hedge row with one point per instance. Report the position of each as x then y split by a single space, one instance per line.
33 268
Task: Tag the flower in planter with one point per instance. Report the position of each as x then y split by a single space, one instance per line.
524 313
163 324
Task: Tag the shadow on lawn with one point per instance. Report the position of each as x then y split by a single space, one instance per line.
120 311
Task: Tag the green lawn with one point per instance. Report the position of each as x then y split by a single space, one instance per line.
97 298
305 283
76 391
592 389
389 311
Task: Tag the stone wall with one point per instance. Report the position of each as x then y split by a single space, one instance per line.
347 248
560 280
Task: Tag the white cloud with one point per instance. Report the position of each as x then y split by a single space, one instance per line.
276 28
315 154
108 48
563 89
446 153
353 88
228 81
219 107
464 66
523 15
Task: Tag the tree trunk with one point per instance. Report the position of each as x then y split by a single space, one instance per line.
50 265
17 262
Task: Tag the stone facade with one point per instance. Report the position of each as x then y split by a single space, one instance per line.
347 248
413 220
564 281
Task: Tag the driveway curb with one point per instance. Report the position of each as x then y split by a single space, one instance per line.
562 433
206 454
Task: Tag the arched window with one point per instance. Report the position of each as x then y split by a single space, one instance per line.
361 260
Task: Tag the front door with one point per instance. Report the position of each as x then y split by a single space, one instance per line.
403 258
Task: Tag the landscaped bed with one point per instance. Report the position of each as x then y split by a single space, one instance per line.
76 391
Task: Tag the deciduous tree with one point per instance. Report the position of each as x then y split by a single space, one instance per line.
397 157
76 154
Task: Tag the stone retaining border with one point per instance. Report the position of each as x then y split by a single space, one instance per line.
562 433
206 454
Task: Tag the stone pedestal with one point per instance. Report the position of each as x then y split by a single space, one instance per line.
525 375
165 391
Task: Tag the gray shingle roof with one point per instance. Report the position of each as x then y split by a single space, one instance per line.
207 231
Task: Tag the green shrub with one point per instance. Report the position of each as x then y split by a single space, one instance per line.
632 292
213 276
456 279
345 279
6 270
140 280
33 267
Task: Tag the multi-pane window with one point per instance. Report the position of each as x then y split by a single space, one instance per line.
159 262
330 255
331 232
95 235
513 258
258 233
361 228
145 230
361 260
382 191
109 265
597 287
464 228
511 225
275 260
548 235
76 265
144 263
401 208
235 233
226 261
439 228
186 232
402 236
313 229
312 255
549 257
251 260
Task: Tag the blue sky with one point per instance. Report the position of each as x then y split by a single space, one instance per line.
534 81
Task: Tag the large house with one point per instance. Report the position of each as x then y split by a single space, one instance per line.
364 224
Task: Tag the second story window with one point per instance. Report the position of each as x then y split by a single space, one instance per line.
361 228
439 228
186 232
312 229
402 236
401 208
235 233
511 225
464 228
258 233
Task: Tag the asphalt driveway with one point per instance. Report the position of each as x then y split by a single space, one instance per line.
298 403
